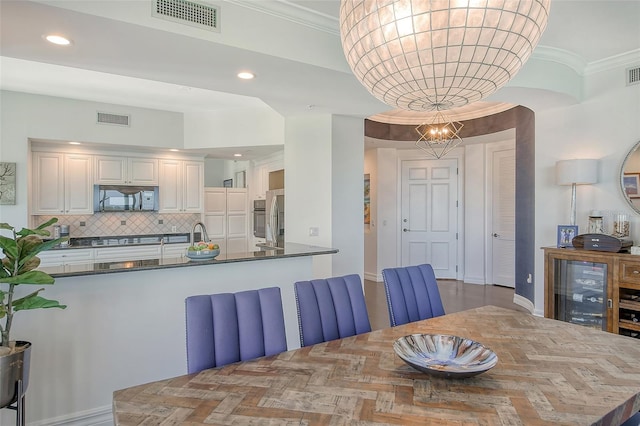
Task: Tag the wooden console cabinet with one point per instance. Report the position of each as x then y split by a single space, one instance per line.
577 280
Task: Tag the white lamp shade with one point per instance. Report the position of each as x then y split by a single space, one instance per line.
580 172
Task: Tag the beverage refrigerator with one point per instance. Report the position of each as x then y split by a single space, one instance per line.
581 293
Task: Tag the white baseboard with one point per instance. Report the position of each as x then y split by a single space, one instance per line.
524 302
102 416
473 280
373 277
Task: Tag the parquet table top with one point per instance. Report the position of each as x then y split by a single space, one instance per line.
549 373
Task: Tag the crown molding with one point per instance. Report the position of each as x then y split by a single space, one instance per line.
294 13
560 56
618 61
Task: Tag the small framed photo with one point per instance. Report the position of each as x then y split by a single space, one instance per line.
227 183
631 182
566 234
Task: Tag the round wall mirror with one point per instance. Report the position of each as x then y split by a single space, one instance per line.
630 177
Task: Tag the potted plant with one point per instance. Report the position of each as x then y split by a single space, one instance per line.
18 267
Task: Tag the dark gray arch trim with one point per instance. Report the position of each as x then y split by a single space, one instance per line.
523 121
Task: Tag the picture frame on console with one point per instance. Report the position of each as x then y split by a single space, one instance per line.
566 234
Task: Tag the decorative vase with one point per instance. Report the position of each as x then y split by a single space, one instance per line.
14 367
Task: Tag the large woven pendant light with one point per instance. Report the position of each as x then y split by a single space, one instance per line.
426 55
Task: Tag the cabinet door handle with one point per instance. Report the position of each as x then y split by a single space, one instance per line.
610 303
636 272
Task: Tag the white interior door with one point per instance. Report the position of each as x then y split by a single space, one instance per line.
429 223
503 218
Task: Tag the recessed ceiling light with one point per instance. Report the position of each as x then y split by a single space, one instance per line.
237 155
74 143
245 75
174 150
57 39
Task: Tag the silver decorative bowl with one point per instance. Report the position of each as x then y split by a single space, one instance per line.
445 356
202 254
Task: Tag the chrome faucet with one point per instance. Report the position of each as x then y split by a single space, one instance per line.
204 237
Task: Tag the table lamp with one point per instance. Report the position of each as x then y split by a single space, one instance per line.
576 172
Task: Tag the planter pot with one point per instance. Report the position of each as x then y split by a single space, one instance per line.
14 367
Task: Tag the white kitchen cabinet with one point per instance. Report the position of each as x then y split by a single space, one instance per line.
115 254
260 174
112 170
175 250
62 184
66 257
226 218
181 186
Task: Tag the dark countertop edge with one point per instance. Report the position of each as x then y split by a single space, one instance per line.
186 263
78 243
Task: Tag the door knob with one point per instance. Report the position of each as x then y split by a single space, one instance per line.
495 235
405 230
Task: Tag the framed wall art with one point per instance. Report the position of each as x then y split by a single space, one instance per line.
7 183
566 234
367 199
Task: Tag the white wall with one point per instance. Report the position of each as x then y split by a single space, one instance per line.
308 175
233 127
347 193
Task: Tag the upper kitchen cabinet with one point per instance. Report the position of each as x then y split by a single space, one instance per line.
112 170
62 184
181 186
261 173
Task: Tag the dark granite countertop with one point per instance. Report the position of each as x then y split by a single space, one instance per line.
126 240
289 250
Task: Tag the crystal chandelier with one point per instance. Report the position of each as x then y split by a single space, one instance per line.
426 55
440 137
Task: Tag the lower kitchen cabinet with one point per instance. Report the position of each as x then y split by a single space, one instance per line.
594 289
174 250
119 253
66 257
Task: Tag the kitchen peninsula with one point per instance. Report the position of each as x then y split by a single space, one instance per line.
125 321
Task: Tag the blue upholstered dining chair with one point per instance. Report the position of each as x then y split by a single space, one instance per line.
412 294
330 309
230 327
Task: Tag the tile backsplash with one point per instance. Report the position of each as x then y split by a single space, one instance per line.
112 224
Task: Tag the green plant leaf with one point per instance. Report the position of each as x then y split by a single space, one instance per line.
5 225
9 246
29 246
30 264
40 230
33 301
31 277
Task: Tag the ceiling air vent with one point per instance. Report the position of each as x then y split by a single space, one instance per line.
633 75
188 12
115 119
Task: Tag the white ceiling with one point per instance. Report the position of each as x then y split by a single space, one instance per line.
120 54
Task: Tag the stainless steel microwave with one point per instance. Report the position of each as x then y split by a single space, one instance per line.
120 198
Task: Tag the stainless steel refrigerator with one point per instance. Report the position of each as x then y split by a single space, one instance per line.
275 217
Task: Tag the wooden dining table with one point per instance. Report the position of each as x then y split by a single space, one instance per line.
548 373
